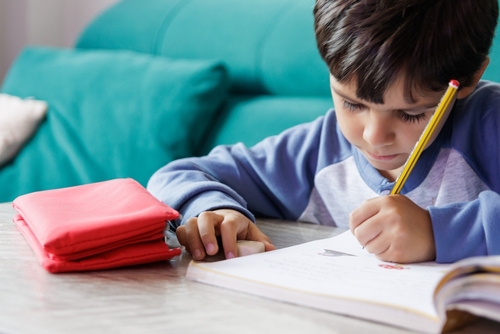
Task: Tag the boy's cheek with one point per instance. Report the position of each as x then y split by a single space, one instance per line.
350 128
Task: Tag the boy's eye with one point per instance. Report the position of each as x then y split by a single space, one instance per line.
408 118
352 106
405 117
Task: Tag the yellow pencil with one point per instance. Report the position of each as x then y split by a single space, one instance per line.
446 100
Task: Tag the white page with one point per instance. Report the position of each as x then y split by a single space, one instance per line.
479 308
319 269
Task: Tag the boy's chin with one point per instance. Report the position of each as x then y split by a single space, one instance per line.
389 171
391 174
389 168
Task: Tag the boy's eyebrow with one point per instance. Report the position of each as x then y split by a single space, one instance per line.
411 109
343 95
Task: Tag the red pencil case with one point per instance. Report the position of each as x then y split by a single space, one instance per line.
95 226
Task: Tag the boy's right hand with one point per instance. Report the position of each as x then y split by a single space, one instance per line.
199 234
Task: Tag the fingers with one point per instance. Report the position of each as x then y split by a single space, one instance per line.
236 226
394 229
361 222
229 231
366 233
377 245
207 222
254 233
182 237
199 234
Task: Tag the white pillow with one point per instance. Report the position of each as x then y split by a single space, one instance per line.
19 119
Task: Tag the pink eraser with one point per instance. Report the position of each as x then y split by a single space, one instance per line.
454 83
247 247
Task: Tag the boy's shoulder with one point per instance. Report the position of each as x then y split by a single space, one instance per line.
488 91
478 116
484 101
488 85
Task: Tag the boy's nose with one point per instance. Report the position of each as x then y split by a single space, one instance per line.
378 132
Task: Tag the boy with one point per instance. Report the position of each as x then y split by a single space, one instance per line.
390 63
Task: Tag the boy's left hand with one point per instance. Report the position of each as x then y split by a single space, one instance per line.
394 229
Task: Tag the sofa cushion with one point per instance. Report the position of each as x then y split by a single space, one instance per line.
250 119
19 119
111 114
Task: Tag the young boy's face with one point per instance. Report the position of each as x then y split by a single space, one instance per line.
385 133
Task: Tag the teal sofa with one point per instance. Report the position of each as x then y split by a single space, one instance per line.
150 81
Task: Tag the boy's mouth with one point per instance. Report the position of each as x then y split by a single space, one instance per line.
382 157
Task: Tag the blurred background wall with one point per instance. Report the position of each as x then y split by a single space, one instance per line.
43 22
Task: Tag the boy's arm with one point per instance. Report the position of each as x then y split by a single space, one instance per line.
217 195
185 186
473 228
272 179
467 229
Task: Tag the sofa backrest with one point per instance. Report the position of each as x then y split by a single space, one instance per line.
277 77
267 45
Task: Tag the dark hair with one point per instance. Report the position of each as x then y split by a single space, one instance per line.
428 41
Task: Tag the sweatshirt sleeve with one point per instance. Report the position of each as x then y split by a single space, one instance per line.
473 228
272 179
467 229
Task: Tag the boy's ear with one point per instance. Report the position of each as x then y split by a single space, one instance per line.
465 91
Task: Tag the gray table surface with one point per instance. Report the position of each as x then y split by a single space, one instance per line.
156 297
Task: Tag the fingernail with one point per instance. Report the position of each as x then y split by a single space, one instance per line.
197 254
210 248
230 255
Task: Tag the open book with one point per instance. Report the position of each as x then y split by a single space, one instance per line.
337 275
